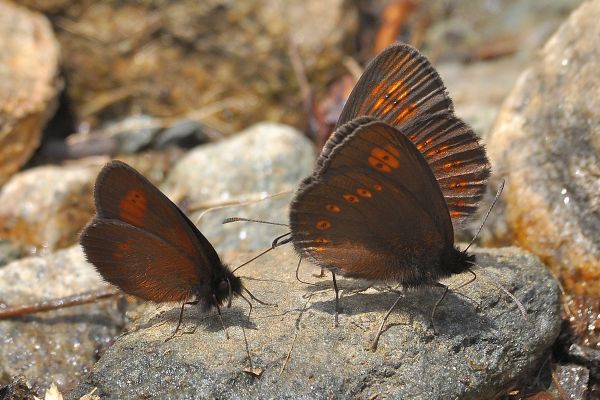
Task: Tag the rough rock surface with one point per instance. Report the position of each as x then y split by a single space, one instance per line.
483 347
56 346
29 83
264 159
546 145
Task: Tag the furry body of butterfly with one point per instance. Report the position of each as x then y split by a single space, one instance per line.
141 242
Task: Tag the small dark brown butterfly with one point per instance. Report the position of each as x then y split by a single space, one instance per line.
141 242
392 182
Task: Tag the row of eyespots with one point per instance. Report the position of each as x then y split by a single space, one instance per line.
324 224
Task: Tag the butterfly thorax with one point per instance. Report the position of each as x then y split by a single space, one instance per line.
223 285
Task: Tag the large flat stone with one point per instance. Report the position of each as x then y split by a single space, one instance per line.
484 345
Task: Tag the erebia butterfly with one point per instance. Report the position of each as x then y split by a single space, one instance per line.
141 242
394 179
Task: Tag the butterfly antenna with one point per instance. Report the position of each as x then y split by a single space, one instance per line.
231 203
240 219
276 243
487 214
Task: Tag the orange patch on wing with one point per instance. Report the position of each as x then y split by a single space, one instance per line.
438 150
350 198
396 85
323 225
133 207
363 192
378 103
458 203
378 187
406 114
125 246
392 150
378 165
459 184
384 156
452 164
377 89
333 208
387 109
454 214
118 255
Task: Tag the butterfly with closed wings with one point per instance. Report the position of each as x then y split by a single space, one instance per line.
399 173
141 242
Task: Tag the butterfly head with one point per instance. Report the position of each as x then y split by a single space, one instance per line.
456 261
224 287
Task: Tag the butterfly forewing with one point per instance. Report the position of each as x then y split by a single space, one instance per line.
399 84
138 262
122 193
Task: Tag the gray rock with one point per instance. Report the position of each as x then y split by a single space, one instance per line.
57 346
264 159
546 145
483 348
45 207
134 133
183 133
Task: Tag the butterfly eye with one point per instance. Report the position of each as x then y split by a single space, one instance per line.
223 286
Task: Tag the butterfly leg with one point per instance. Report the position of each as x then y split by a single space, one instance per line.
437 304
221 318
181 317
385 317
337 299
